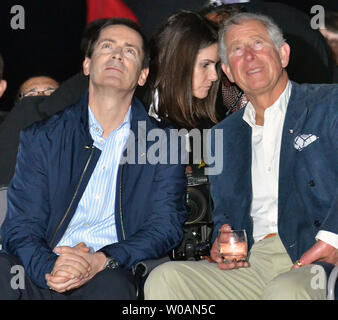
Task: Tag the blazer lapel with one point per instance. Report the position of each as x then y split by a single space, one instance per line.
237 155
293 124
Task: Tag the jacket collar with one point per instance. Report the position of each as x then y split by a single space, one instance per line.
138 113
140 125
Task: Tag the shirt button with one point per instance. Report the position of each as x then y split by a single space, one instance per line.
87 224
97 197
311 183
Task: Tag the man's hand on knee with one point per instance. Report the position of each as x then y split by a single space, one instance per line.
320 251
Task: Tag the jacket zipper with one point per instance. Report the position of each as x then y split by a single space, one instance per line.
121 219
74 196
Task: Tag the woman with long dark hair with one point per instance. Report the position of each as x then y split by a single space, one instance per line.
184 72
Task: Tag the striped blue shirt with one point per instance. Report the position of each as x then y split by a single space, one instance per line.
94 219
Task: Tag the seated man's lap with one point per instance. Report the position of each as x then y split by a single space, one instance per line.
107 284
305 283
203 280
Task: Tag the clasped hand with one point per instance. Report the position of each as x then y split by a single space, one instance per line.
74 267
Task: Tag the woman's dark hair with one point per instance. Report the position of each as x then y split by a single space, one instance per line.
125 22
174 50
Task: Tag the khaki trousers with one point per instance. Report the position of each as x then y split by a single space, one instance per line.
269 278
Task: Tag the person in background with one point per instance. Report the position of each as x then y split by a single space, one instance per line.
37 86
230 97
183 71
286 137
25 111
184 76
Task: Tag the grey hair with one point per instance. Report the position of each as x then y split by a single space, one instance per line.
272 28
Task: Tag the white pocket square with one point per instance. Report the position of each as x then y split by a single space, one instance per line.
303 140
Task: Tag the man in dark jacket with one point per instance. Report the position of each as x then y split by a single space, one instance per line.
278 181
81 213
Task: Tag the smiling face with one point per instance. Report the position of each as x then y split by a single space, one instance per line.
116 61
204 71
254 63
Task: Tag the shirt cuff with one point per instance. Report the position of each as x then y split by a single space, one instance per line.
328 237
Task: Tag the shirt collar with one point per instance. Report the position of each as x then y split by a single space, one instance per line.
95 127
280 104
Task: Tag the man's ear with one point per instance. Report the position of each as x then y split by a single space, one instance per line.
143 77
86 66
3 87
284 54
227 71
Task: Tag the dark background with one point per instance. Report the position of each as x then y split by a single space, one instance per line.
50 42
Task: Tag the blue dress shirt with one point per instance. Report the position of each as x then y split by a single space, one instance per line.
94 220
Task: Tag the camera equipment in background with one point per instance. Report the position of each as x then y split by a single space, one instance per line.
198 227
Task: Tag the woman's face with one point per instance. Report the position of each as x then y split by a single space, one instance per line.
204 71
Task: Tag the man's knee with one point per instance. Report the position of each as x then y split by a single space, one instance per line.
160 280
157 275
299 284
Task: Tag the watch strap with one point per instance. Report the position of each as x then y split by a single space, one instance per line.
111 263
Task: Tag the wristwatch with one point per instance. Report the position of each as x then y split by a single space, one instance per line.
111 263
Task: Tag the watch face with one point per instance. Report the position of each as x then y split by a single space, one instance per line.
112 264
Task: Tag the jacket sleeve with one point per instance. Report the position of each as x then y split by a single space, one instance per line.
163 229
67 94
26 221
